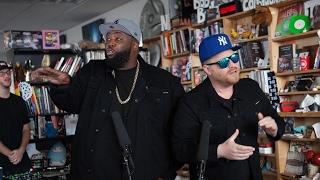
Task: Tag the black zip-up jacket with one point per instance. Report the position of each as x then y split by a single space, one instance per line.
203 103
95 152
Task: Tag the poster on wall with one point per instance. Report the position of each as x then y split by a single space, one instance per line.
90 32
50 39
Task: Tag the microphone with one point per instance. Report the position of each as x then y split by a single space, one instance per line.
203 148
124 142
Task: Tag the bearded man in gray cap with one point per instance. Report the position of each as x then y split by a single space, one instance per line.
145 97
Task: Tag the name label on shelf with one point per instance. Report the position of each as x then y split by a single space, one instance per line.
251 4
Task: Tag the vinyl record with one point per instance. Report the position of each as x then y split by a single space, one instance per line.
299 24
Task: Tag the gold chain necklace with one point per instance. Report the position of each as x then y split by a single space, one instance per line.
132 88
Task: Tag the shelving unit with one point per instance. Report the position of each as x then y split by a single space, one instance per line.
36 56
308 118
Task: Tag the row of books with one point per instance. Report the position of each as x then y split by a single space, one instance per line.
197 35
252 54
40 102
262 78
181 68
94 55
69 65
175 43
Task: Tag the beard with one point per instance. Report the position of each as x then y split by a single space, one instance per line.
119 59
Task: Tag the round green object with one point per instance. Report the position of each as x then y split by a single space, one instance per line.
299 24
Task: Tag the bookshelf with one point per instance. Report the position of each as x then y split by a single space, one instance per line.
41 109
301 40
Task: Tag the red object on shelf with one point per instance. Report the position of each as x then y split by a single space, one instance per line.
309 155
289 106
316 159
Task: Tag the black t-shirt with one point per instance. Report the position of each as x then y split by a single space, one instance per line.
13 115
124 81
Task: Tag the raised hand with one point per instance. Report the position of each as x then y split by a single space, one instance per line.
268 124
233 151
51 75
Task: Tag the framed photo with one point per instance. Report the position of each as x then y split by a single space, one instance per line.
50 39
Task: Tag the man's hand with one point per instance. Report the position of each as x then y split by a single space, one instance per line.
48 74
268 124
16 156
233 151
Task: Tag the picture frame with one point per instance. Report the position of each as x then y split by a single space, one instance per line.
50 39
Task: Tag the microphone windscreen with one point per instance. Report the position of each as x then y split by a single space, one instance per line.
203 146
120 129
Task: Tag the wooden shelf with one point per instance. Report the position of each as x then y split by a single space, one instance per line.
300 139
269 173
152 39
209 22
267 155
240 15
285 3
298 93
296 114
311 71
289 177
253 39
176 30
296 36
178 55
254 69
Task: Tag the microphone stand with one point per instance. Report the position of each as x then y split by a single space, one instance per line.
127 161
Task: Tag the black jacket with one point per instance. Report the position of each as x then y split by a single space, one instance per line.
203 103
95 152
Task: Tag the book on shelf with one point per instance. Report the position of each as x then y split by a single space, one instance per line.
198 76
69 65
181 68
285 57
251 53
197 35
315 21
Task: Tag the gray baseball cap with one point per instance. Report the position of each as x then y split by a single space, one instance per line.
123 25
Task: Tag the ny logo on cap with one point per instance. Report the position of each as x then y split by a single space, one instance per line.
222 40
116 22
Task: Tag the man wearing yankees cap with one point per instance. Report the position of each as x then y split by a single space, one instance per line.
235 108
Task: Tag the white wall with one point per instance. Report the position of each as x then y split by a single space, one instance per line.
131 10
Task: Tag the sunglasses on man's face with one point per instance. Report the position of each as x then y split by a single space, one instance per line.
224 62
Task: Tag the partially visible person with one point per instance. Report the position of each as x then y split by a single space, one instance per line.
235 108
14 127
144 95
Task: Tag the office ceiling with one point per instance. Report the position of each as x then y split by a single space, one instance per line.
51 14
